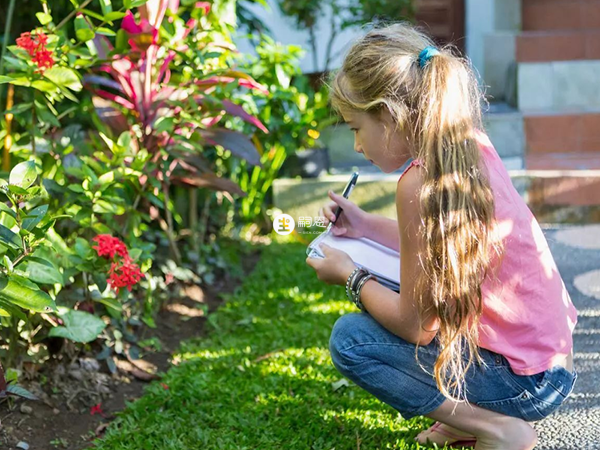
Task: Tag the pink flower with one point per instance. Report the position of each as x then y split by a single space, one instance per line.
142 35
204 5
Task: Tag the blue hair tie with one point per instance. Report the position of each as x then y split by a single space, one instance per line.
426 54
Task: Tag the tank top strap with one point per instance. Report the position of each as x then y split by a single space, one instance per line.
414 162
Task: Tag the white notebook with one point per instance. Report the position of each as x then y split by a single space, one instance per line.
383 262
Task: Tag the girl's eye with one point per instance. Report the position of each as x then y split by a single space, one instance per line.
354 129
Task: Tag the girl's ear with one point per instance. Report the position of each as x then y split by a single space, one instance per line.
386 115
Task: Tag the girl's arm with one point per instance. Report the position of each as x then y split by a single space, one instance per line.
383 231
398 312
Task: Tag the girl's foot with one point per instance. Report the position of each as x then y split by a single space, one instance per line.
442 434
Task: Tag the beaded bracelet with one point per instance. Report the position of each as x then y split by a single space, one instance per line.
350 281
358 290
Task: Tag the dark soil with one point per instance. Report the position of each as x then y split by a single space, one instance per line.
61 421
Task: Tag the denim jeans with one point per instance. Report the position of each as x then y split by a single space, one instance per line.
385 365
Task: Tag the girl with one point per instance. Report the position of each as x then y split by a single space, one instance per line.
480 336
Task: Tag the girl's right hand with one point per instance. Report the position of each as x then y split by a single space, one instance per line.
351 223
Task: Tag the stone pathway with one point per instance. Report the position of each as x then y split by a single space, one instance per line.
576 426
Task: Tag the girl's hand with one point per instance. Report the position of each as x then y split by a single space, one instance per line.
335 268
352 222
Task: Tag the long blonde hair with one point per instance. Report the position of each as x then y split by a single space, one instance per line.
438 107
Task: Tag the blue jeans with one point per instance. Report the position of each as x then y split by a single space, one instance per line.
385 365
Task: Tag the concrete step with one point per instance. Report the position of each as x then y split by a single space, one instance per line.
554 196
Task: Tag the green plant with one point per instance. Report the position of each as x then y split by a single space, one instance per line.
24 263
295 114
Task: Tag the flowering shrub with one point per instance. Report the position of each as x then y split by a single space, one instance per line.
123 272
36 47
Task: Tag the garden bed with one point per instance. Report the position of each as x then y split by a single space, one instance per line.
69 417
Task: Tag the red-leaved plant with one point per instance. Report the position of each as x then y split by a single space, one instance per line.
178 117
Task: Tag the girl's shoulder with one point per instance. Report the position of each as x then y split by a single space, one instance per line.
414 162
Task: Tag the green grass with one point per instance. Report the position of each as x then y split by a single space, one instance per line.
221 397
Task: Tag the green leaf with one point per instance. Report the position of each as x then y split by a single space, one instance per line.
106 6
282 76
107 178
135 253
21 107
34 217
82 247
137 3
17 190
124 140
10 238
104 207
114 16
42 271
93 14
8 210
121 40
4 79
12 310
44 18
164 124
64 77
100 280
23 174
76 188
8 264
16 293
105 31
110 303
44 86
83 29
80 326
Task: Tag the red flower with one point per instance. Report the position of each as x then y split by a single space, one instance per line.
169 278
97 409
36 47
43 59
125 275
164 386
109 246
26 43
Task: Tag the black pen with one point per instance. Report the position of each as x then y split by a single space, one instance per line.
345 194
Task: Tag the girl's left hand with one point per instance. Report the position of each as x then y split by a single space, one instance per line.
335 268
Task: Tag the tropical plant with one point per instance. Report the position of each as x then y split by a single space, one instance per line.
171 110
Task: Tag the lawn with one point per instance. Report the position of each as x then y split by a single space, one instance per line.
263 379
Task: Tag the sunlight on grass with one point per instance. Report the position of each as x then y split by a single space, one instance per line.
262 378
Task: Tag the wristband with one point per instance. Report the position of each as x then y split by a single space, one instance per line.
361 284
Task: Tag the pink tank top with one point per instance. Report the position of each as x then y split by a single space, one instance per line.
527 314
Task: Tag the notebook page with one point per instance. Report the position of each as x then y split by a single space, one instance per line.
369 254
